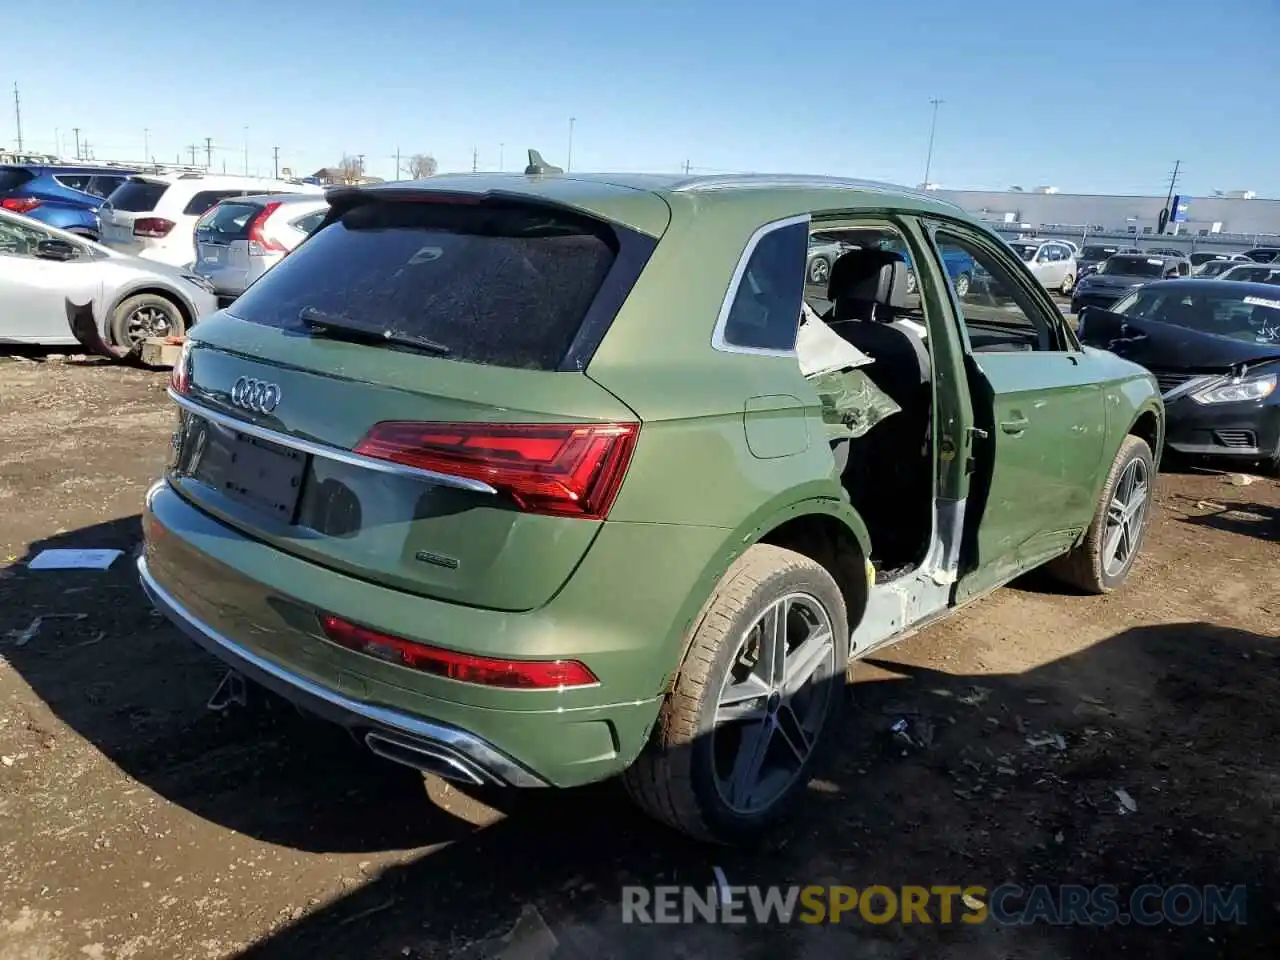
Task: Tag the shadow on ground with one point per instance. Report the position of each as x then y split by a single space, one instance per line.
989 780
1233 516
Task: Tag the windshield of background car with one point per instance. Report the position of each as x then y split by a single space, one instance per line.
1027 251
1098 253
499 283
1214 267
1250 318
227 221
1131 266
1255 274
137 196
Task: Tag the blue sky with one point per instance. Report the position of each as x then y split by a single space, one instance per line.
1084 95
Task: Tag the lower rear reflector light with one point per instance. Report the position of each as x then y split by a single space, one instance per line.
463 667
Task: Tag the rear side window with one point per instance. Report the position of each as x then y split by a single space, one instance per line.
765 313
202 201
499 283
75 181
102 186
138 196
310 221
11 178
228 220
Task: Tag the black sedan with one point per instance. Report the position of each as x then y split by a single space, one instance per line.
1093 255
1122 273
1214 348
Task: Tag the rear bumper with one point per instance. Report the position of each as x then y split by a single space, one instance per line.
1245 431
257 608
472 758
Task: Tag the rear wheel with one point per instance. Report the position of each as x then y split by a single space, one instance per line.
757 696
1102 562
819 270
142 316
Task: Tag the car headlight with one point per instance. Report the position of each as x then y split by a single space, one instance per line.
202 282
1238 391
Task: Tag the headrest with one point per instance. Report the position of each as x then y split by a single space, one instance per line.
872 275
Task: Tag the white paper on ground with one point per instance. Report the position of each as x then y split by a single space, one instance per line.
822 350
74 559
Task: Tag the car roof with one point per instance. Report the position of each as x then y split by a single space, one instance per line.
206 180
282 198
70 168
622 196
1244 288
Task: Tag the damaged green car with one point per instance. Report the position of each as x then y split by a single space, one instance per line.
536 480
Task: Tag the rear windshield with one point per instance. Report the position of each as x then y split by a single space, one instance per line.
137 196
1133 266
228 221
1098 253
498 283
205 199
13 177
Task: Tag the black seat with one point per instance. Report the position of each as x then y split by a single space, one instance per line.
868 292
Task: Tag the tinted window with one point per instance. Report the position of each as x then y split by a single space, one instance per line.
310 221
1098 253
765 314
998 313
13 177
137 196
1133 266
19 238
205 199
227 221
1215 267
76 181
102 186
1026 251
1241 317
497 283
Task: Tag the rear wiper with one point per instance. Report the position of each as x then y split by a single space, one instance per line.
341 327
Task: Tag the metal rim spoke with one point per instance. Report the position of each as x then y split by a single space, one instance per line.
770 709
1125 515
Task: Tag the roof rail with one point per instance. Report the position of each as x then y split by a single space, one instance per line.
760 181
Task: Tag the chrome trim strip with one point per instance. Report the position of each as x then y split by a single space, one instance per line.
473 748
326 451
1195 384
718 341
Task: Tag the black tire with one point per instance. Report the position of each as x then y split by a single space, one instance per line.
125 332
1085 567
674 780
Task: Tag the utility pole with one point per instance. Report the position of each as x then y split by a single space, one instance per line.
146 144
686 168
1167 214
933 126
275 159
88 150
246 149
569 163
208 153
397 163
17 113
501 157
76 131
192 148
475 159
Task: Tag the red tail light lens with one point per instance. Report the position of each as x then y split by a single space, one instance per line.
20 204
564 470
256 236
180 375
463 667
152 227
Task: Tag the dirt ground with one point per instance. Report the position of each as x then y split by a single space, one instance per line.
136 823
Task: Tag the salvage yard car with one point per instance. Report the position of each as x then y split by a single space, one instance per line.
42 269
1052 262
1214 348
1121 273
483 472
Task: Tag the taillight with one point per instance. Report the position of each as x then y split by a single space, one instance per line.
258 242
463 667
152 227
20 204
565 470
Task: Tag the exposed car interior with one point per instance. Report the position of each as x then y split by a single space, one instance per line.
887 470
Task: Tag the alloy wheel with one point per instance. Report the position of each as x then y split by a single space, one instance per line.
774 702
149 321
1126 514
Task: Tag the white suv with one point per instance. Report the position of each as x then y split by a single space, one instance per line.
154 216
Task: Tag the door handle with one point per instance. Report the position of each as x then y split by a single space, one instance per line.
1016 425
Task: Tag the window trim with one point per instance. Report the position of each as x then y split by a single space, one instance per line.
1069 343
718 341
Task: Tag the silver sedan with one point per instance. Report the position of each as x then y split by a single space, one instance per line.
43 268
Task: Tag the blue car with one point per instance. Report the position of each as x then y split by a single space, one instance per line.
62 195
961 268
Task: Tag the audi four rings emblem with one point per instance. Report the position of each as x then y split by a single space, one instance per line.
256 395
